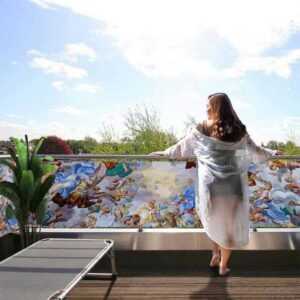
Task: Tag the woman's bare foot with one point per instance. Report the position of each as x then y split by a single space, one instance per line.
223 271
225 255
215 260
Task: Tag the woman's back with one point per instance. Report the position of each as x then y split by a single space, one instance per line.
207 127
220 158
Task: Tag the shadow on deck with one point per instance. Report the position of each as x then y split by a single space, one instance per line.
185 275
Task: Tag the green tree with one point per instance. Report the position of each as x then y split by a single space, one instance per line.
108 133
90 144
145 133
288 148
291 148
77 146
87 145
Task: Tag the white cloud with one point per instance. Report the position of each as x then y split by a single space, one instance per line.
58 85
14 116
49 66
295 121
74 51
72 131
12 125
81 87
69 110
174 38
57 66
41 3
280 66
88 88
37 129
12 129
291 127
34 52
58 129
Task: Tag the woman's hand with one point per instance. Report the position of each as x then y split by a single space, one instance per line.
157 153
279 152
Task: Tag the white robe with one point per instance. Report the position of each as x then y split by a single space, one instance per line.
222 195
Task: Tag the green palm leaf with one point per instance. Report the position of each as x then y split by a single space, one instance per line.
21 151
41 211
9 212
10 191
48 168
11 151
41 189
34 152
37 167
9 164
14 157
26 188
27 151
38 146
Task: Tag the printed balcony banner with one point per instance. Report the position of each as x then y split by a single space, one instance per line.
95 194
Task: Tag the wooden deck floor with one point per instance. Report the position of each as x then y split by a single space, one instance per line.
249 279
187 287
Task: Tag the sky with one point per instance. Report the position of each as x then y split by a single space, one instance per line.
68 66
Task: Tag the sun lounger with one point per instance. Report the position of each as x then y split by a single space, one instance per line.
50 268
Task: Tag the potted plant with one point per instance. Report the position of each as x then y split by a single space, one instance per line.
33 177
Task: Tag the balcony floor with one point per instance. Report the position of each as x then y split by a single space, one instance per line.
254 275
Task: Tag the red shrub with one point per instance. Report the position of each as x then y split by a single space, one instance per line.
54 145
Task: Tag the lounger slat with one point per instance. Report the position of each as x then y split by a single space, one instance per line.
47 266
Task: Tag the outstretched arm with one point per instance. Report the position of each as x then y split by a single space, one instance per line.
184 148
257 153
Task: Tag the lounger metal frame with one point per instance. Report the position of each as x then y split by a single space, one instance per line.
108 250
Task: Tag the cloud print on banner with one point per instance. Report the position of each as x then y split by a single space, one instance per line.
173 38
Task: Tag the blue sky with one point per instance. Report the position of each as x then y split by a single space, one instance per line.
68 67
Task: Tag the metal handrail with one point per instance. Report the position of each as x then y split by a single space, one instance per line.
134 156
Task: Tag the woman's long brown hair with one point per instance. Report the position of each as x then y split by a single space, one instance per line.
226 126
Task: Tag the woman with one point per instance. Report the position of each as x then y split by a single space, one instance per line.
224 151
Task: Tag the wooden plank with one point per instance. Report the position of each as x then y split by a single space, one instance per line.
188 288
